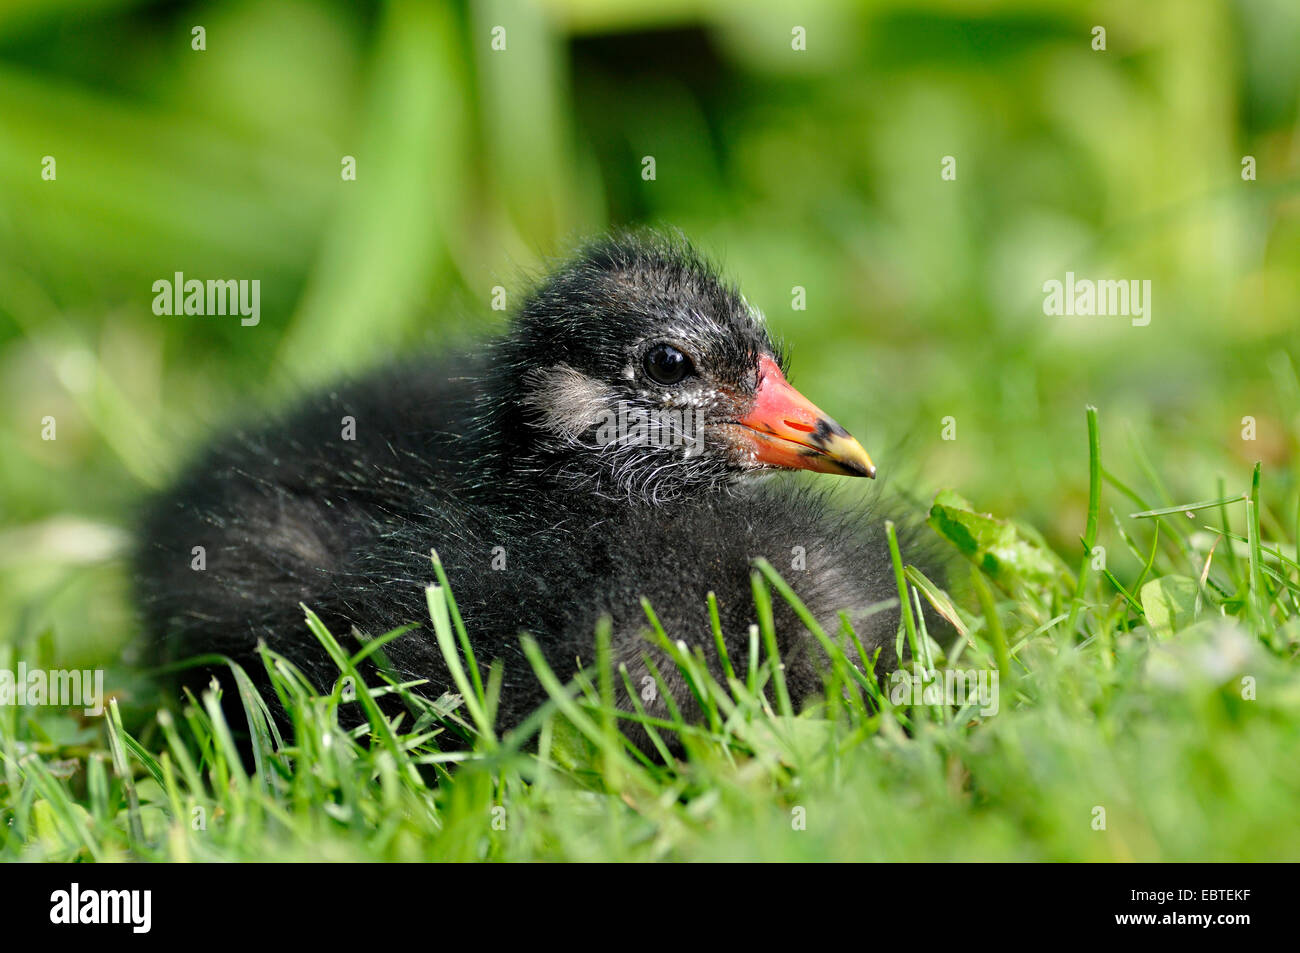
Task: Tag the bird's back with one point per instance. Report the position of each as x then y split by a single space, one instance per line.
274 513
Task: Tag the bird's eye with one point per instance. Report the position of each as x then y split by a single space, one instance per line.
666 365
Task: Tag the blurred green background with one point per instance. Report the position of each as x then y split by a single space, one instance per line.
817 168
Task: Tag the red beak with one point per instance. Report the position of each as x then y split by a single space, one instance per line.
785 429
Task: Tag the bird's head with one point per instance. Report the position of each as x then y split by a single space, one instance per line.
634 371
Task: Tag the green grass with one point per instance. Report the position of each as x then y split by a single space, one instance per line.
1171 704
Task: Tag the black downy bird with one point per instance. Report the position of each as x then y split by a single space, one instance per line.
603 450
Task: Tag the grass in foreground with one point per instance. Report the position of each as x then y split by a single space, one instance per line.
1153 719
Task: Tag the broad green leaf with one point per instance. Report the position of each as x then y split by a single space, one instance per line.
1011 555
51 831
1169 603
570 748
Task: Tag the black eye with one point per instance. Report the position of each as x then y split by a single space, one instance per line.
667 365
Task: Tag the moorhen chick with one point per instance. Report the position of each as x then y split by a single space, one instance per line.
603 450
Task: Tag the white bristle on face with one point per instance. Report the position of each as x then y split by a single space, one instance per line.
566 401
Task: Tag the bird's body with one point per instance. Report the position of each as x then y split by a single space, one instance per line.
542 527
